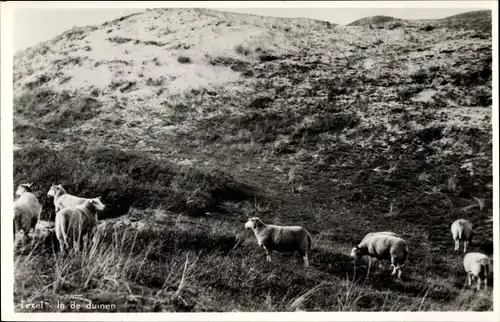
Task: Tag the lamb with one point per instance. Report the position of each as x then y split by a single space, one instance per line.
477 266
383 247
281 238
77 221
62 199
27 210
461 230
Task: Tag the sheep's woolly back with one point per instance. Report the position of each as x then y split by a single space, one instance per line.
76 220
27 209
284 238
27 204
461 229
382 246
389 233
66 200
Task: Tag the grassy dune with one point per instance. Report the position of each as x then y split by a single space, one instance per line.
341 129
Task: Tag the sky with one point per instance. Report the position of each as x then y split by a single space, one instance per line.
32 26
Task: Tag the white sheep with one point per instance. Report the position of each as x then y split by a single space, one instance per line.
390 233
62 199
77 221
383 247
461 230
478 266
27 210
281 238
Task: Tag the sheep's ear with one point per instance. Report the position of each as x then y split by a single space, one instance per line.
30 184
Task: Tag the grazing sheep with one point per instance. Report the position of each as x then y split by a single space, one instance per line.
27 210
383 247
62 199
281 238
461 230
478 266
77 221
390 233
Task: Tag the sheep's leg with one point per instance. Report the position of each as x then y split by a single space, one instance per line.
306 260
485 283
369 266
465 246
457 244
479 284
399 272
393 265
25 238
33 238
268 253
469 279
15 232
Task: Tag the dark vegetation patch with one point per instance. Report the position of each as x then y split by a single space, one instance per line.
479 20
53 110
375 20
122 179
123 85
154 43
267 57
119 40
184 60
69 60
243 50
114 61
234 64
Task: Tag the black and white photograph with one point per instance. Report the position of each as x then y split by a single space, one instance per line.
298 158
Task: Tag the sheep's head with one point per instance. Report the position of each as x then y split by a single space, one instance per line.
24 187
52 191
96 202
356 252
253 223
